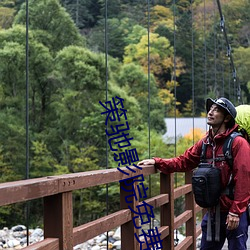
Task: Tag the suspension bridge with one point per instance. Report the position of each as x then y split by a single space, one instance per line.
56 192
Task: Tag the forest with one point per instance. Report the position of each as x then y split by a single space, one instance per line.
60 59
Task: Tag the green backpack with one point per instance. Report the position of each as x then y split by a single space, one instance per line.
243 120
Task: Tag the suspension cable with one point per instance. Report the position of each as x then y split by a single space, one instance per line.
192 76
174 73
229 53
215 52
205 49
175 95
27 207
149 120
106 83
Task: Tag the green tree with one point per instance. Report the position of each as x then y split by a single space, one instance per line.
241 56
84 13
117 31
6 17
161 57
42 163
136 82
80 74
53 25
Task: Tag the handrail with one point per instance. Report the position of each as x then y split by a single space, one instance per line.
58 208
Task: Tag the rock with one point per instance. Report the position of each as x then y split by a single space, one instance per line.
111 240
91 242
95 248
117 244
117 235
18 228
38 232
13 243
103 243
111 233
3 233
100 238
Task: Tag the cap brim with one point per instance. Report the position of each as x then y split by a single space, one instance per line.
209 103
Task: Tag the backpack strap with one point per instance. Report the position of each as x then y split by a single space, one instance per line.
227 148
203 152
227 151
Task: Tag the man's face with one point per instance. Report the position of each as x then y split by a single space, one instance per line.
215 116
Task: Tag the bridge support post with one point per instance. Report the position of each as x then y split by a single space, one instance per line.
167 210
58 219
190 205
128 230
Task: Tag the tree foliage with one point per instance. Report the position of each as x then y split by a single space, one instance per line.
53 25
154 57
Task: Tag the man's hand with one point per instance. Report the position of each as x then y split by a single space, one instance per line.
147 162
232 221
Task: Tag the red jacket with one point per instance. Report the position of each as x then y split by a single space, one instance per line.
241 167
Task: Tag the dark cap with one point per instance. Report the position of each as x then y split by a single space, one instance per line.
223 103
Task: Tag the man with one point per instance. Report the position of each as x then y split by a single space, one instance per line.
221 115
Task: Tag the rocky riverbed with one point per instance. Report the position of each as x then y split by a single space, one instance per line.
16 238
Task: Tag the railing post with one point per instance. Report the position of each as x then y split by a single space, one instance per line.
167 210
58 219
128 230
190 205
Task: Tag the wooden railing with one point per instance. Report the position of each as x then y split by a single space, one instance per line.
59 232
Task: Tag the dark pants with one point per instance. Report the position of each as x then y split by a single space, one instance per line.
237 238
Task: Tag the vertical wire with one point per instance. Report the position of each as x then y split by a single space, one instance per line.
193 94
27 208
175 95
106 82
174 76
205 50
215 51
149 121
27 89
174 87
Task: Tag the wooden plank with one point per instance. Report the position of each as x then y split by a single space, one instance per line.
185 244
190 205
167 210
198 209
46 244
90 230
185 189
99 177
128 230
182 218
198 231
24 190
163 232
58 219
157 200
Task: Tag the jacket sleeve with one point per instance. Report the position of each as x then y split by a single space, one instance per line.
241 175
185 162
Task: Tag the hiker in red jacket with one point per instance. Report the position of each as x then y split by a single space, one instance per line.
221 115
